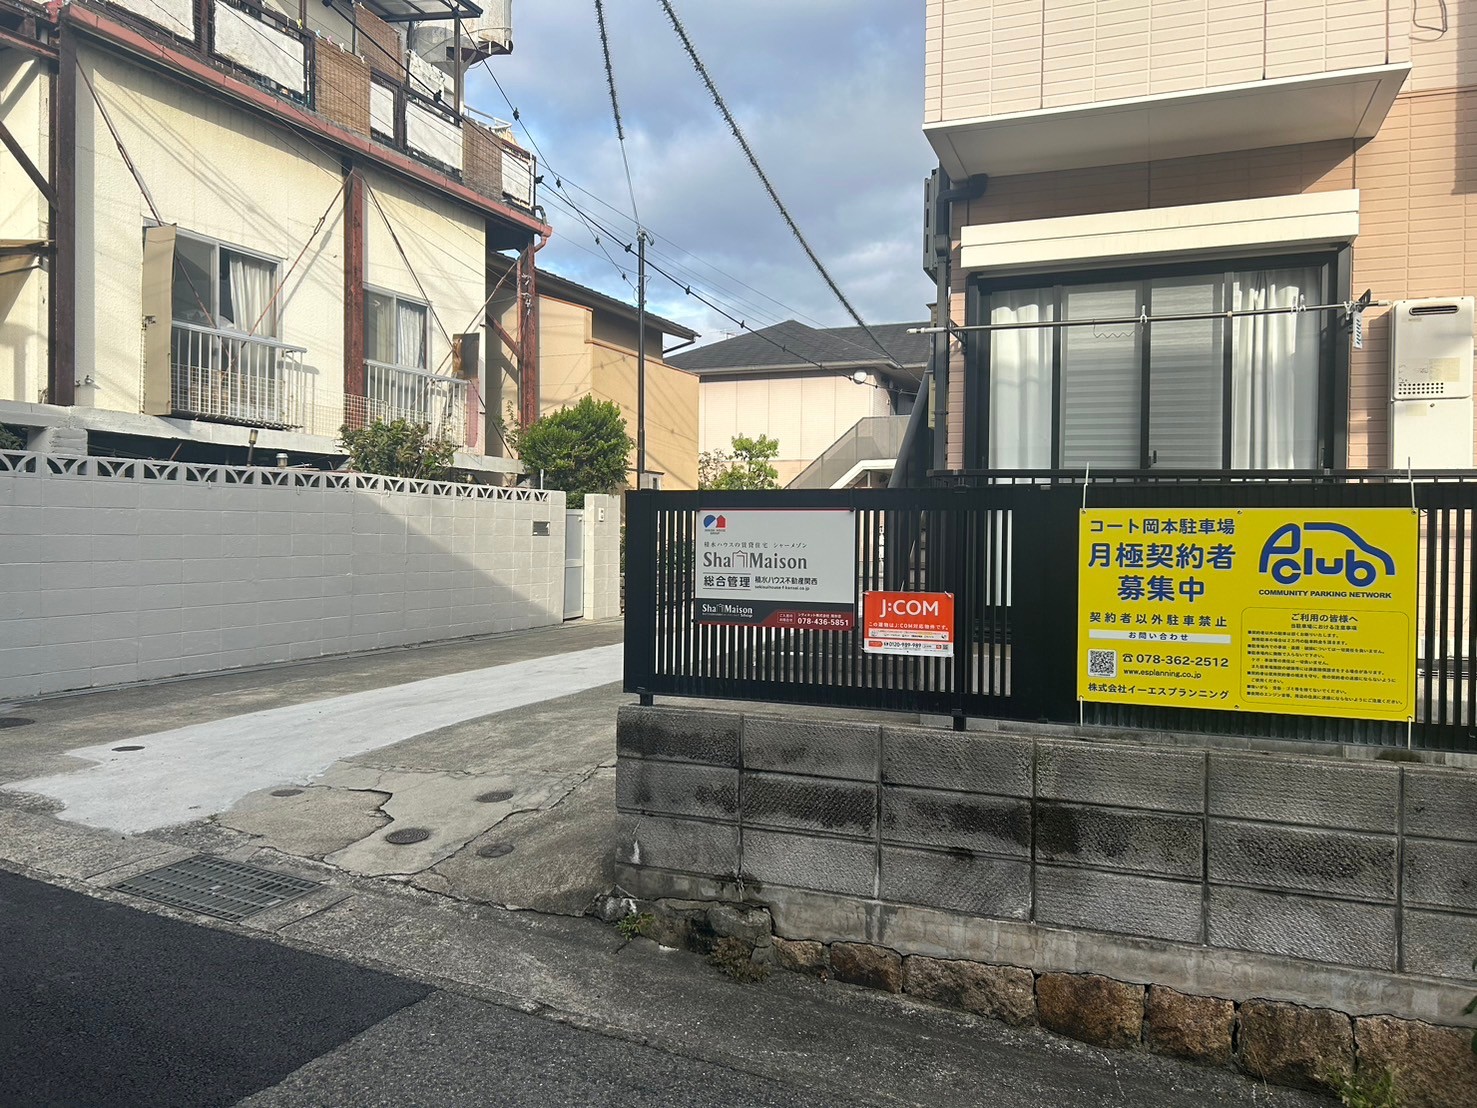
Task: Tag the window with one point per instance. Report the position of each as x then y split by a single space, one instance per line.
395 330
1212 392
224 289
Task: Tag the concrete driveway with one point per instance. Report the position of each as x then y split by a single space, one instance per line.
493 757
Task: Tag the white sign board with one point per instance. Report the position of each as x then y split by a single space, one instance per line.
792 568
1356 327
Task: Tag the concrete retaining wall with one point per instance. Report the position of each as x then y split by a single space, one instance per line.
119 571
1234 874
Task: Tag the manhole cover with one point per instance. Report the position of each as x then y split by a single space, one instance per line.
497 796
216 887
287 792
408 835
495 850
123 748
13 721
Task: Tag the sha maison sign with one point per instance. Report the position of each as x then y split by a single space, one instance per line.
792 568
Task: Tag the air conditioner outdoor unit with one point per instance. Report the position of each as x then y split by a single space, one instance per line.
1431 383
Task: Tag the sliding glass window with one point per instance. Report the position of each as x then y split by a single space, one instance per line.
1213 391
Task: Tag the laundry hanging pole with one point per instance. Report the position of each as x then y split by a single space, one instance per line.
1146 318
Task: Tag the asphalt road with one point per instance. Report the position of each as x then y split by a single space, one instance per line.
104 1005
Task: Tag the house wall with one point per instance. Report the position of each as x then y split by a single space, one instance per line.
25 94
1332 881
804 412
131 571
577 357
997 57
1417 222
671 411
446 250
214 171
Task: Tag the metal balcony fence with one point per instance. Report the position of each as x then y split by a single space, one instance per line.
417 396
237 378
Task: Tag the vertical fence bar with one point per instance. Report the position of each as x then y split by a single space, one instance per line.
1429 639
1444 647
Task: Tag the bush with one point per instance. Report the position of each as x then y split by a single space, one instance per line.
398 448
746 468
578 450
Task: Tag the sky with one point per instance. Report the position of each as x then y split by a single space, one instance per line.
830 96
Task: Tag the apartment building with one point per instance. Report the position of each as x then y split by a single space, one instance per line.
1158 212
232 227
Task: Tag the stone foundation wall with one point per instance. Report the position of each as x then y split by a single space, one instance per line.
1249 876
1278 1042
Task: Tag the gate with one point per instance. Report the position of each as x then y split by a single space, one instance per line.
574 563
1008 554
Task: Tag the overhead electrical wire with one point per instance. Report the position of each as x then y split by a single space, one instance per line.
615 107
600 233
774 195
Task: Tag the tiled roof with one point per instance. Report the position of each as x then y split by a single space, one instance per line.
793 345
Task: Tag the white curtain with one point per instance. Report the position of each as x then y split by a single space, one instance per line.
1274 371
1020 381
410 326
251 282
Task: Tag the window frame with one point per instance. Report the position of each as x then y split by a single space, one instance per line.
216 246
1334 267
396 299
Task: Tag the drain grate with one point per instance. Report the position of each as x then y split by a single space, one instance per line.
216 887
495 850
497 796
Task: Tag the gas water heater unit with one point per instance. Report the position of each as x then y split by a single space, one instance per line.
1431 383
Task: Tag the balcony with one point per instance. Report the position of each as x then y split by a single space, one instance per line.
417 396
229 377
1013 89
358 70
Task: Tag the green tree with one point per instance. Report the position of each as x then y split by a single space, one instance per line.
746 468
398 448
11 439
579 449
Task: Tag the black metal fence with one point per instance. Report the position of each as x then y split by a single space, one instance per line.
1008 553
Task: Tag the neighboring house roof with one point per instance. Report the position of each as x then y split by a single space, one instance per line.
564 289
791 346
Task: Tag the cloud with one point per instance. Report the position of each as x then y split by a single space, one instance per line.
829 94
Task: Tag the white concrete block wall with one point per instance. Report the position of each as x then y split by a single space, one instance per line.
115 572
602 557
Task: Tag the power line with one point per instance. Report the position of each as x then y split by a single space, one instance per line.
764 177
562 185
518 119
615 106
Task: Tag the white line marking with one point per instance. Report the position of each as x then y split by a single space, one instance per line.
194 772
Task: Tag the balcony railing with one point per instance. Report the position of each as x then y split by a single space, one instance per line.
238 378
400 392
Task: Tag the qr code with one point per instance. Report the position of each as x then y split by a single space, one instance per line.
1102 663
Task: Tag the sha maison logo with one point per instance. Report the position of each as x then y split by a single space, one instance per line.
714 525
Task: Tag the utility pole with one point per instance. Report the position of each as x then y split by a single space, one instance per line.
641 357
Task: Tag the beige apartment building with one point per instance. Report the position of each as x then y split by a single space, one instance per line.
230 228
1200 189
587 345
835 403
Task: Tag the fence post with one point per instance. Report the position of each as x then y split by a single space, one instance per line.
641 556
1044 605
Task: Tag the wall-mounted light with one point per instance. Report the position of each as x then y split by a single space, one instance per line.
859 377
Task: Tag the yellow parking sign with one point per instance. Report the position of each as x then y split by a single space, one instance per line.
1307 611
